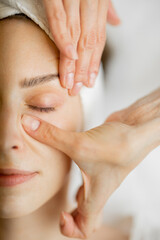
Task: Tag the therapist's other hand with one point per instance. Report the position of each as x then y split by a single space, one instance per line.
105 154
79 30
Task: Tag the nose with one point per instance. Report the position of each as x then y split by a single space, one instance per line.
10 133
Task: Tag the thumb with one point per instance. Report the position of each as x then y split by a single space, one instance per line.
49 134
81 222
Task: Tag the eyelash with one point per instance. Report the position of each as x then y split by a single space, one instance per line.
40 109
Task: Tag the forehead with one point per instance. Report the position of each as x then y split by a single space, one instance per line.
25 50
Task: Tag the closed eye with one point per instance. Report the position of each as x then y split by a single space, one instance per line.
41 109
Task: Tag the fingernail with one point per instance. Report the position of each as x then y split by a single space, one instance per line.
72 53
92 78
30 123
69 80
62 219
77 88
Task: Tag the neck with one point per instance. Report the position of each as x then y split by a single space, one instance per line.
41 224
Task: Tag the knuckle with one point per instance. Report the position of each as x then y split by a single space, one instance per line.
63 35
88 41
134 116
82 70
101 37
75 31
95 65
59 15
139 113
70 65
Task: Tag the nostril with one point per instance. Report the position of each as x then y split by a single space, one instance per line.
14 147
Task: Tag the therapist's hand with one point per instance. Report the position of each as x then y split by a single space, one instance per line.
79 31
105 154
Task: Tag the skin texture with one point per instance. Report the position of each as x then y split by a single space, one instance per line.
27 209
105 154
81 28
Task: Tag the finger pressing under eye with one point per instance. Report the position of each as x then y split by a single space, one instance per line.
57 20
88 38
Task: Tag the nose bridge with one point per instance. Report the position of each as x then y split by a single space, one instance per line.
10 136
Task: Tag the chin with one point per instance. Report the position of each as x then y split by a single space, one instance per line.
19 200
9 211
15 207
18 205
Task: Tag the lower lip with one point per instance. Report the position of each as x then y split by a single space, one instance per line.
12 180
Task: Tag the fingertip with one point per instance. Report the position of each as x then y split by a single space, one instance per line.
115 22
76 89
66 224
118 21
62 219
92 79
69 80
62 80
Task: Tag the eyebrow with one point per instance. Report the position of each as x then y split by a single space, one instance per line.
32 82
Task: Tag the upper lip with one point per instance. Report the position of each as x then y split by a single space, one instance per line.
10 171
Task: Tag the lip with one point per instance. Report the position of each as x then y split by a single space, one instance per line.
12 177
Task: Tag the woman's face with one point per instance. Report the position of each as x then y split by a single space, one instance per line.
27 55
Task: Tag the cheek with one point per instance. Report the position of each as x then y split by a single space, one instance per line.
55 166
52 164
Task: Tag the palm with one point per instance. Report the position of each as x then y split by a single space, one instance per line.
108 153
